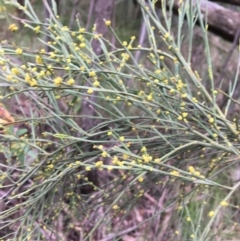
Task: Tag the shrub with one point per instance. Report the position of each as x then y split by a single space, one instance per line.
157 151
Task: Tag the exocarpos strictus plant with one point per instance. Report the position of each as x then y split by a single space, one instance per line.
157 161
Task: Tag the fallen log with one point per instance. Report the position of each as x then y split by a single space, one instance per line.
222 21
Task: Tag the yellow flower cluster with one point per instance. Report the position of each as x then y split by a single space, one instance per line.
58 81
193 171
13 27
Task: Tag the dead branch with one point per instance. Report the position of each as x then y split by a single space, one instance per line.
233 2
222 21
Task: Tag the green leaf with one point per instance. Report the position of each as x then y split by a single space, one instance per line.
21 131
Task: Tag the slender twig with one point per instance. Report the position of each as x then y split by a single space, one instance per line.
90 12
73 15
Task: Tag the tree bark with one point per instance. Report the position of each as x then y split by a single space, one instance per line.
221 21
233 2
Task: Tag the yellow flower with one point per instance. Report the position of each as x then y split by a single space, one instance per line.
52 55
92 74
107 22
211 120
39 59
94 27
37 29
167 35
9 77
100 147
33 82
140 179
82 45
70 82
80 37
50 166
98 164
96 83
115 207
174 173
13 27
191 169
150 97
2 8
115 160
224 203
210 214
104 154
82 68
184 95
194 100
42 51
90 91
65 28
81 30
143 149
121 138
19 51
158 111
96 36
57 81
125 156
146 158
27 77
15 71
